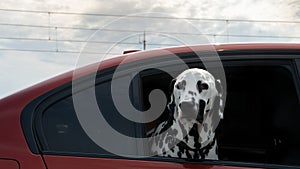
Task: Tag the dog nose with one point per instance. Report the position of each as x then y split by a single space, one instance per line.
188 108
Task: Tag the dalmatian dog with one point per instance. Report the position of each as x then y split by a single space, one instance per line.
196 107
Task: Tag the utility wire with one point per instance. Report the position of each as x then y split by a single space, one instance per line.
136 43
139 16
138 31
83 41
49 27
54 51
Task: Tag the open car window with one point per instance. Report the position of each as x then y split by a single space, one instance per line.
261 115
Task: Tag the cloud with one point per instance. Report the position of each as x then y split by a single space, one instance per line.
20 69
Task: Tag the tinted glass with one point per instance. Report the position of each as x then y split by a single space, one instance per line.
63 132
261 116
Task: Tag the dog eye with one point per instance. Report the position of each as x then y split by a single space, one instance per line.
202 86
181 85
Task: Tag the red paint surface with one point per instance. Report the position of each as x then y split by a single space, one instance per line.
63 162
13 144
8 164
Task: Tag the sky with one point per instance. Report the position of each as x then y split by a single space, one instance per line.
40 39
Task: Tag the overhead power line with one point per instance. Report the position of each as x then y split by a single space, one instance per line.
142 16
53 51
135 43
138 31
83 41
56 28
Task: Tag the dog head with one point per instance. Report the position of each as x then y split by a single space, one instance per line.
196 98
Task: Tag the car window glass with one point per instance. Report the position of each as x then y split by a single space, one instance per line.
260 119
63 132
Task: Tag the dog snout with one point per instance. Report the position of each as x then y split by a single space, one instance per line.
188 108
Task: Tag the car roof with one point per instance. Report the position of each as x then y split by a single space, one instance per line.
32 92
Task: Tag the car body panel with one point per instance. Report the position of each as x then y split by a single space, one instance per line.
62 162
13 144
9 164
12 141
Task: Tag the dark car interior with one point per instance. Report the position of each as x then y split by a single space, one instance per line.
261 114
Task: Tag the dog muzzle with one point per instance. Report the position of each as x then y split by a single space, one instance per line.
191 111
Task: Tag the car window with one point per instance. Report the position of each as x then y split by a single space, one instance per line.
261 115
62 131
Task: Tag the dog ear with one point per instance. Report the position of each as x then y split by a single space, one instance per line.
220 100
218 106
171 87
171 105
218 85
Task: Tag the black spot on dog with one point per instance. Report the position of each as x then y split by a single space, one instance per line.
186 138
207 101
201 86
195 133
204 86
196 155
179 154
188 155
201 111
202 155
192 93
181 149
181 85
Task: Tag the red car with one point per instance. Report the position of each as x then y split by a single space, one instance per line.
39 128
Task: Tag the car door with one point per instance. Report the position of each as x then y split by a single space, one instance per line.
256 130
